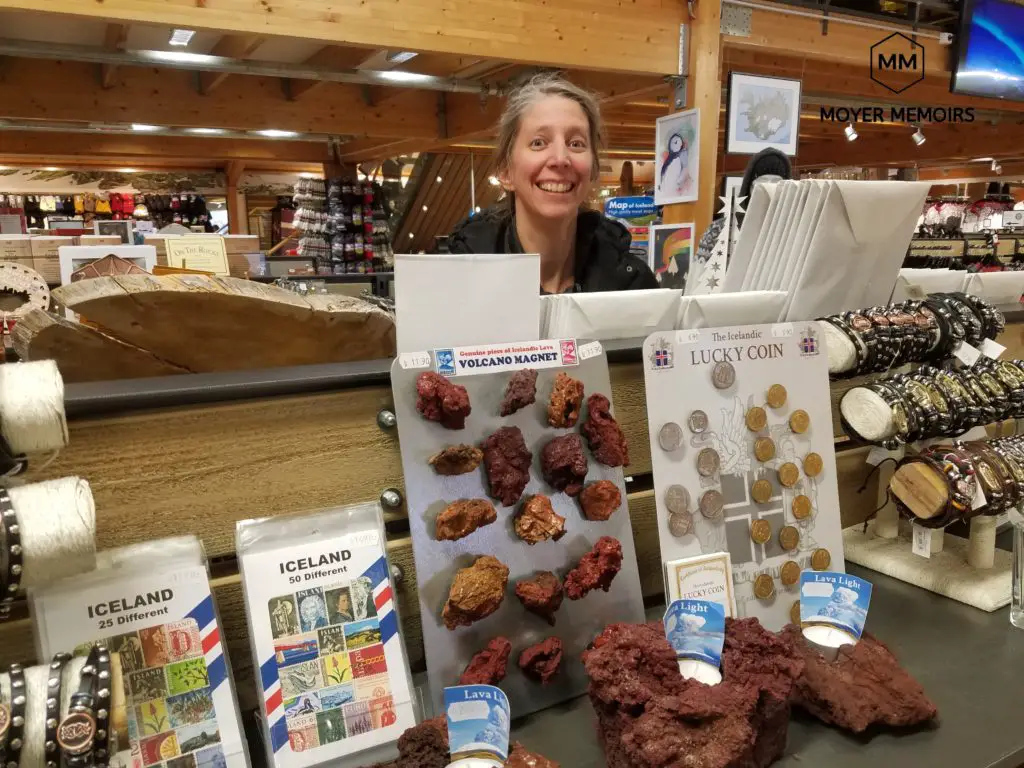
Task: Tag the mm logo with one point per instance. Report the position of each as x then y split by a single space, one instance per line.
897 62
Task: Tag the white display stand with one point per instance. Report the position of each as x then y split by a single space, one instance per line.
947 572
678 372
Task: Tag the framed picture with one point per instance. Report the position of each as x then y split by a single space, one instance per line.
123 228
82 262
671 248
677 158
762 112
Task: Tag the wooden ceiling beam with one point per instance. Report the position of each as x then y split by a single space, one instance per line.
115 38
328 57
638 36
231 47
973 172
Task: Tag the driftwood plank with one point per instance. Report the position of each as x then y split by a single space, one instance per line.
205 324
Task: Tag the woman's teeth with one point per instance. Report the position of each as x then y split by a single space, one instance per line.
551 186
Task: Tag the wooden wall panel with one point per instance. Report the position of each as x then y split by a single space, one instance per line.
635 36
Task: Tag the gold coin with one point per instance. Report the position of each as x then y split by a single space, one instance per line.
794 612
761 490
776 395
789 474
813 465
757 419
821 559
764 586
799 421
764 449
760 531
789 537
790 573
801 507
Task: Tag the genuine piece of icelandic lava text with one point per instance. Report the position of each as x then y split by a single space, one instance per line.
596 569
488 666
600 500
565 402
603 433
563 463
456 460
521 391
461 518
541 595
438 399
864 687
426 746
507 461
650 715
476 592
537 521
542 661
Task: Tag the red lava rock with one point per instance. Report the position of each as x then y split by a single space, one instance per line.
542 661
488 666
438 399
563 464
521 391
566 400
604 435
507 461
541 595
596 569
600 500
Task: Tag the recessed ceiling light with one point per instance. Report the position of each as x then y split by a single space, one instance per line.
411 235
478 209
205 131
424 207
182 36
52 168
439 179
400 57
144 128
127 170
274 133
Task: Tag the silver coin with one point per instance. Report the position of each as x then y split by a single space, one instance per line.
708 462
723 375
712 505
670 437
680 525
698 422
677 499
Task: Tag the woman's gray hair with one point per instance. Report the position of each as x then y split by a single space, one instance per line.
537 88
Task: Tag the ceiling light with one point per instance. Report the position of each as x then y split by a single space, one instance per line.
308 175
851 132
403 77
478 209
983 160
996 166
493 180
439 179
424 207
180 56
182 36
399 57
143 128
918 137
411 235
205 131
274 133
52 168
605 192
127 170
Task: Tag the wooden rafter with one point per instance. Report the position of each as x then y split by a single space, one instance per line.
328 57
114 39
231 47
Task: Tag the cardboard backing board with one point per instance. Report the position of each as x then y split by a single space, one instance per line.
577 621
678 374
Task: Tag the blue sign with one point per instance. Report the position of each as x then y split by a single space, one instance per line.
445 359
696 630
479 720
836 599
629 207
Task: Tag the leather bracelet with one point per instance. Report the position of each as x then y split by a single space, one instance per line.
943 407
10 582
101 753
1002 470
14 739
76 733
53 697
951 513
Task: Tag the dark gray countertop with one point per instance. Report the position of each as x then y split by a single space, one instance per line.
970 662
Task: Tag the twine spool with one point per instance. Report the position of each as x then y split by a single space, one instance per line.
32 407
842 355
868 414
58 529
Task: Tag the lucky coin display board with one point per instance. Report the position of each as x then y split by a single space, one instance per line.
477 597
743 456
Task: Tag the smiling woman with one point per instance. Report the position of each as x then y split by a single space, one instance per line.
549 137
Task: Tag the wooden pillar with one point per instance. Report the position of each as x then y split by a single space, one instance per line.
236 208
704 91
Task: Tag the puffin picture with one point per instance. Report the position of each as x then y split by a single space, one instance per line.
674 166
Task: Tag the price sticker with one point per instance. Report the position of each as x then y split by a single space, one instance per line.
412 360
922 546
690 336
966 353
979 500
990 348
878 454
589 350
782 330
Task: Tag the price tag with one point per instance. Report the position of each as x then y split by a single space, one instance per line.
410 360
922 541
979 497
589 350
782 330
915 291
966 353
878 454
990 348
690 336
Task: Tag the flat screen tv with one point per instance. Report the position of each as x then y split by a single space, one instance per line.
990 50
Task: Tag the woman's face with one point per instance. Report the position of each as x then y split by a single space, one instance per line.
552 159
344 603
